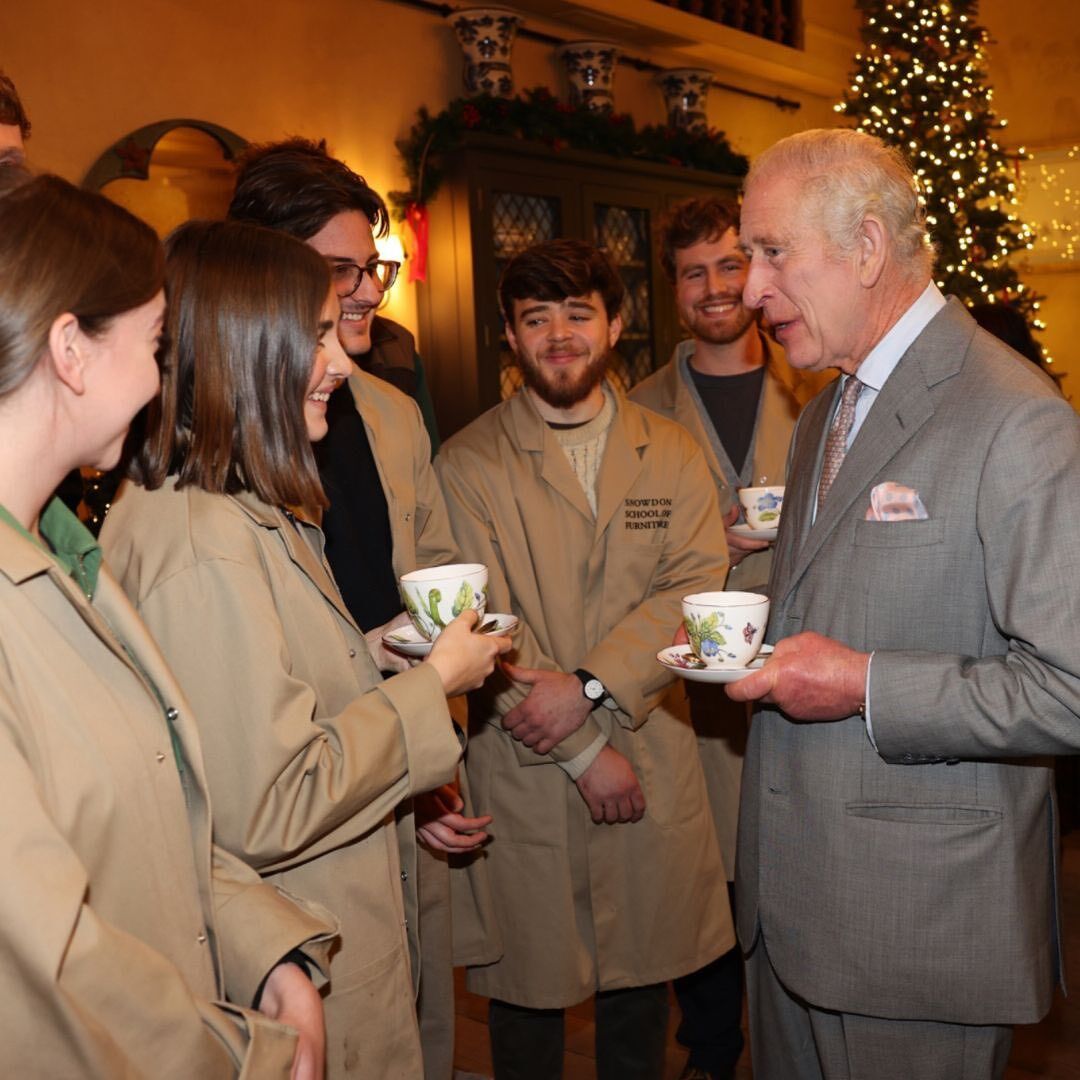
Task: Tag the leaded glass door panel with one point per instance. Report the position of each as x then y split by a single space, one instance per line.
518 221
622 226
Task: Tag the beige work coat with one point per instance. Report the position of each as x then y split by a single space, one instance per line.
721 724
308 751
670 391
584 907
121 925
420 535
419 529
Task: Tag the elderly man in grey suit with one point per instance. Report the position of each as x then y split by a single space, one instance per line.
897 844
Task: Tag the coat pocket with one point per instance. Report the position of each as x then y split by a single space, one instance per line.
924 813
899 534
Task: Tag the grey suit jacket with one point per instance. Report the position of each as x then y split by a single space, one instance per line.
918 880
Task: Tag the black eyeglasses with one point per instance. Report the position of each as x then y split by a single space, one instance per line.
347 276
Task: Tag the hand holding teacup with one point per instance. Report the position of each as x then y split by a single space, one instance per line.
762 505
452 599
435 596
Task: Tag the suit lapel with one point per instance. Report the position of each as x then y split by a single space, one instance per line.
903 406
801 489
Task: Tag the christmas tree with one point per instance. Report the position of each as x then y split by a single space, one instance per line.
920 84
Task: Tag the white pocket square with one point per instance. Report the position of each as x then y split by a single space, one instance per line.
894 502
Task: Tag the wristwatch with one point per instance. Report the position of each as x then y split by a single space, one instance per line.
591 686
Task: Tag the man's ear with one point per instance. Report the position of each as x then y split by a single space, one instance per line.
511 337
872 250
614 330
68 352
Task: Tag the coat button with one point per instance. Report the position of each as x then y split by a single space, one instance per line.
404 875
200 938
352 654
171 714
160 757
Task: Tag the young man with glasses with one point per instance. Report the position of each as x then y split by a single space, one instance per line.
387 514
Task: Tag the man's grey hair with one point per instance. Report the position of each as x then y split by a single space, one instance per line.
846 176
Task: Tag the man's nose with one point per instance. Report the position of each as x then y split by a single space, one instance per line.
368 289
756 289
716 282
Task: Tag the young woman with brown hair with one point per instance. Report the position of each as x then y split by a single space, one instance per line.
309 751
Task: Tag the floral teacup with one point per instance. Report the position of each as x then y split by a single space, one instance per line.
762 506
435 596
726 629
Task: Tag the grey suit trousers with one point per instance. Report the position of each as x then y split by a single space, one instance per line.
791 1040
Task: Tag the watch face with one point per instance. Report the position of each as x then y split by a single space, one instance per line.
594 689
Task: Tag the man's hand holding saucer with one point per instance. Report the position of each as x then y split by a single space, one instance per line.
809 677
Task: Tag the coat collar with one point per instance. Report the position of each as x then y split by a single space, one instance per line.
627 438
903 406
302 540
681 398
20 558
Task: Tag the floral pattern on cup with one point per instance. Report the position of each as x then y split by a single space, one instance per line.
762 506
725 629
436 596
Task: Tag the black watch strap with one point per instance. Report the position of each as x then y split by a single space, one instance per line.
593 689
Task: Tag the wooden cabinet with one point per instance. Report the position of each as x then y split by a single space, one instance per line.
501 196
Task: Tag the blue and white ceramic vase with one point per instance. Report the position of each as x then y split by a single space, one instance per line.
590 70
685 91
486 36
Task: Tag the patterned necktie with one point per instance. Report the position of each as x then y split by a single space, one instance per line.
836 444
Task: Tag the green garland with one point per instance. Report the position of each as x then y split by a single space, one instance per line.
537 116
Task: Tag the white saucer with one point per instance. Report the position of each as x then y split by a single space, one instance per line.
407 640
754 534
674 658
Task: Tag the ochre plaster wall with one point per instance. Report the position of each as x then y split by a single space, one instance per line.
355 71
352 71
1035 71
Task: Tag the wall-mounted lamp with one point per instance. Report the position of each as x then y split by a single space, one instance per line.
390 247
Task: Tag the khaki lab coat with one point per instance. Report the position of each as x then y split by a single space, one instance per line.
121 926
308 751
670 391
420 536
419 529
721 723
584 907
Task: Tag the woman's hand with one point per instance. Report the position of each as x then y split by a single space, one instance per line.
386 659
465 659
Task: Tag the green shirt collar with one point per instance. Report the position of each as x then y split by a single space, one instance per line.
69 541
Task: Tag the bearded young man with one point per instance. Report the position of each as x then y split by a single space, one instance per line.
594 517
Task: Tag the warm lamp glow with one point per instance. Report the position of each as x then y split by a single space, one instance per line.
390 248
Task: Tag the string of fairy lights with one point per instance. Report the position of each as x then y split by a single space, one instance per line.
920 83
1058 234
